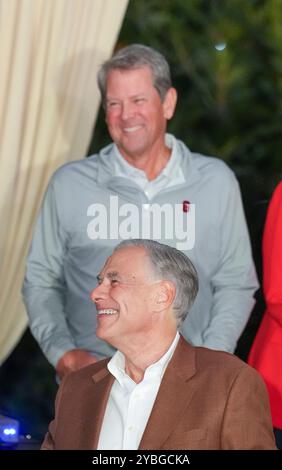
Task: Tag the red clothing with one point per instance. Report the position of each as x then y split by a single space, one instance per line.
266 352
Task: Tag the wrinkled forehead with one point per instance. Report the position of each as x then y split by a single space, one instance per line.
134 69
140 77
128 263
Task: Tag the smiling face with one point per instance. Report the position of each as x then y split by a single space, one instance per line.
125 296
135 115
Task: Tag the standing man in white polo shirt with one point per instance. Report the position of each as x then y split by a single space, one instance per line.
147 184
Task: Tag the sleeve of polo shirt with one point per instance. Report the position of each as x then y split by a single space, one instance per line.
234 282
44 284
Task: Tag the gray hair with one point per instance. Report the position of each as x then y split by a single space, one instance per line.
134 57
170 264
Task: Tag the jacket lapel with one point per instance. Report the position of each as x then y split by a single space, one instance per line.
97 395
174 395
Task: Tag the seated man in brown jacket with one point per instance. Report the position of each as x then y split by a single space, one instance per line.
158 391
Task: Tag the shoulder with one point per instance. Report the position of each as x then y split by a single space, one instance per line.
76 170
226 367
86 374
208 167
209 361
214 167
210 358
218 370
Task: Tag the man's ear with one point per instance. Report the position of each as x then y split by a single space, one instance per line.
169 103
164 295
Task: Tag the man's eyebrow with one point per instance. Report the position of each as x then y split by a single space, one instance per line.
142 94
109 275
112 274
111 98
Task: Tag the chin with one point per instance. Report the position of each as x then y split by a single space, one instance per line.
100 334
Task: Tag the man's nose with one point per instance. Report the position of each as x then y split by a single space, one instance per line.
98 294
127 111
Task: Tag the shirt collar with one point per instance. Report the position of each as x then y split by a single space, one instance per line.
116 365
170 171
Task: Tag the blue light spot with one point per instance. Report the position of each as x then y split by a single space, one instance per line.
9 431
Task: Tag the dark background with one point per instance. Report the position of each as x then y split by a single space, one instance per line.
226 61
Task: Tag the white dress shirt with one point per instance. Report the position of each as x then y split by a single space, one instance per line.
171 175
130 404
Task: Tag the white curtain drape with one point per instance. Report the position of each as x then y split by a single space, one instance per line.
50 51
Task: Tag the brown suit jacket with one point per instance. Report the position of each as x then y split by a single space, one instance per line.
207 400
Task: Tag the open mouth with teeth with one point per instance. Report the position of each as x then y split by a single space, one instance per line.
107 311
132 129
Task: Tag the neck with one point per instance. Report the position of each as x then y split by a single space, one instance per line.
138 359
152 163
